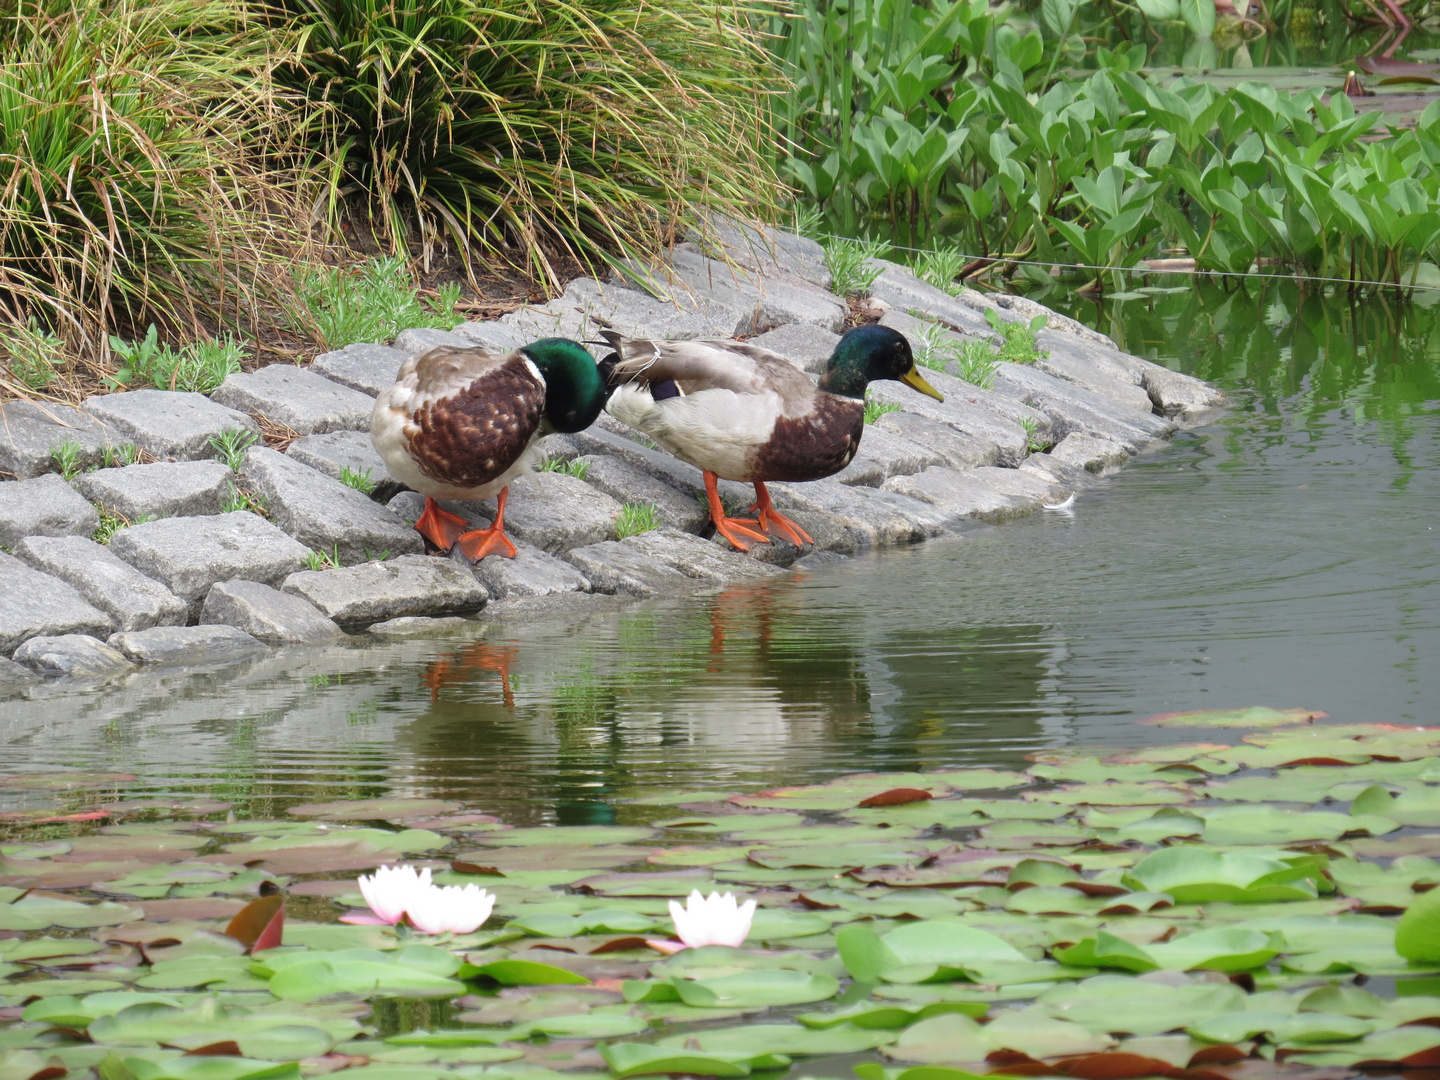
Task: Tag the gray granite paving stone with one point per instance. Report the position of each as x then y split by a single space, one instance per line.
1045 466
1023 309
759 247
818 559
826 533
803 344
962 412
1180 396
162 489
954 448
188 555
531 573
1027 489
168 424
420 626
76 656
491 335
33 604
958 495
873 516
905 292
637 314
14 677
132 600
1107 371
1075 408
621 568
187 645
767 302
375 591
366 368
336 451
884 454
685 478
699 559
556 512
324 514
298 398
44 506
267 614
1090 452
627 483
418 339
31 430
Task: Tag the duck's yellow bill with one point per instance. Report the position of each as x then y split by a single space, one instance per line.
913 378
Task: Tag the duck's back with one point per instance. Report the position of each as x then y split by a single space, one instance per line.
462 416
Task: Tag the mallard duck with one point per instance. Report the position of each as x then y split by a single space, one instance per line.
461 423
738 412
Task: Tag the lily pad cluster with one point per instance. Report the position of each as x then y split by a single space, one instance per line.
1205 911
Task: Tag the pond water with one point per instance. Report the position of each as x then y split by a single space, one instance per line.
1284 555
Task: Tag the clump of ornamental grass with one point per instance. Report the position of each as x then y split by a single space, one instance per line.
139 183
529 129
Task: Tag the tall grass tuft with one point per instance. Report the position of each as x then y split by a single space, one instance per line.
535 128
134 184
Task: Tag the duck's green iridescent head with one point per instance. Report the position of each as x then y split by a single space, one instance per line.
872 352
574 390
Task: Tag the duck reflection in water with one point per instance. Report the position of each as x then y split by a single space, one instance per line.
460 667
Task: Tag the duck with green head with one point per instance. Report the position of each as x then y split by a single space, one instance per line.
738 412
462 424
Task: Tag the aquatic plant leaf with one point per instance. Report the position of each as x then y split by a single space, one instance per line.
638 1059
591 1025
1220 948
1144 793
524 973
259 924
568 835
454 1037
761 987
1198 875
1107 950
1280 1027
1417 935
950 1037
1114 1004
787 1039
374 809
208 1067
772 925
889 1015
1258 716
1247 824
414 971
43 912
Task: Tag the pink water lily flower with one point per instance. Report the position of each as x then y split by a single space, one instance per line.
712 920
458 910
388 891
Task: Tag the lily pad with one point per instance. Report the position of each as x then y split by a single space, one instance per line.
1258 716
1198 875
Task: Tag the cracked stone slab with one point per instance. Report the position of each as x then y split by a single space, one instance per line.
420 626
366 368
959 495
771 252
132 600
44 506
1179 396
324 514
267 614
763 303
419 338
884 454
963 413
555 512
906 293
531 573
336 451
31 430
609 436
187 645
299 398
874 516
34 604
1069 477
490 334
76 656
804 344
14 677
1094 370
1022 309
618 567
168 424
163 489
628 483
826 532
1027 489
1074 408
188 555
637 314
954 448
699 559
376 591
1092 453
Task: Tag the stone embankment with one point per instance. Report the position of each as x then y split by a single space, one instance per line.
191 572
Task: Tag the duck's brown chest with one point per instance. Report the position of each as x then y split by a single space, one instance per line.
816 445
472 436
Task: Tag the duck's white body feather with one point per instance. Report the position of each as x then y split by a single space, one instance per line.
711 429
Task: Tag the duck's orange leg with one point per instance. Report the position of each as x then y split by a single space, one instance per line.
732 529
478 543
440 527
772 521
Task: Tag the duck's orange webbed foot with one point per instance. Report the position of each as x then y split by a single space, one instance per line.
774 522
739 531
440 527
478 543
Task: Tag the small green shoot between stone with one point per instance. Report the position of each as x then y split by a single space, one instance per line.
849 264
876 409
359 480
117 457
244 499
324 560
636 518
576 468
112 521
1033 443
230 446
66 456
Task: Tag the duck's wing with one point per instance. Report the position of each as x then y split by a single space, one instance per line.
463 416
695 366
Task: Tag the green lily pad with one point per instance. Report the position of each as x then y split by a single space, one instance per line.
1417 936
889 1015
1308 1027
1114 1004
762 987
787 1039
1108 951
638 1059
524 973
1221 948
1226 826
1198 875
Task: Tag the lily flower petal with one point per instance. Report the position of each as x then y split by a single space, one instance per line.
458 910
712 920
389 889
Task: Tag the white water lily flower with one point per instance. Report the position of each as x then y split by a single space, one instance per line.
716 920
458 910
389 890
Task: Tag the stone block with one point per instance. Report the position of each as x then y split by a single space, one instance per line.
418 339
826 532
618 567
953 447
420 626
1026 489
772 252
168 424
366 368
31 430
1075 408
164 489
14 677
336 451
897 286
962 411
874 516
531 573
132 600
627 483
1022 309
958 495
556 512
1181 397
33 604
817 560
1090 452
765 302
1045 466
375 591
188 555
299 398
267 614
75 656
699 559
637 314
884 454
44 506
324 514
490 334
804 344
1103 370
609 436
188 645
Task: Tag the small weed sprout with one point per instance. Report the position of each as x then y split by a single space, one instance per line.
200 367
230 446
360 480
447 296
377 556
849 264
111 522
33 354
244 499
372 302
324 560
636 518
808 221
66 456
941 268
976 363
1018 345
876 409
935 348
117 457
578 469
1033 443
